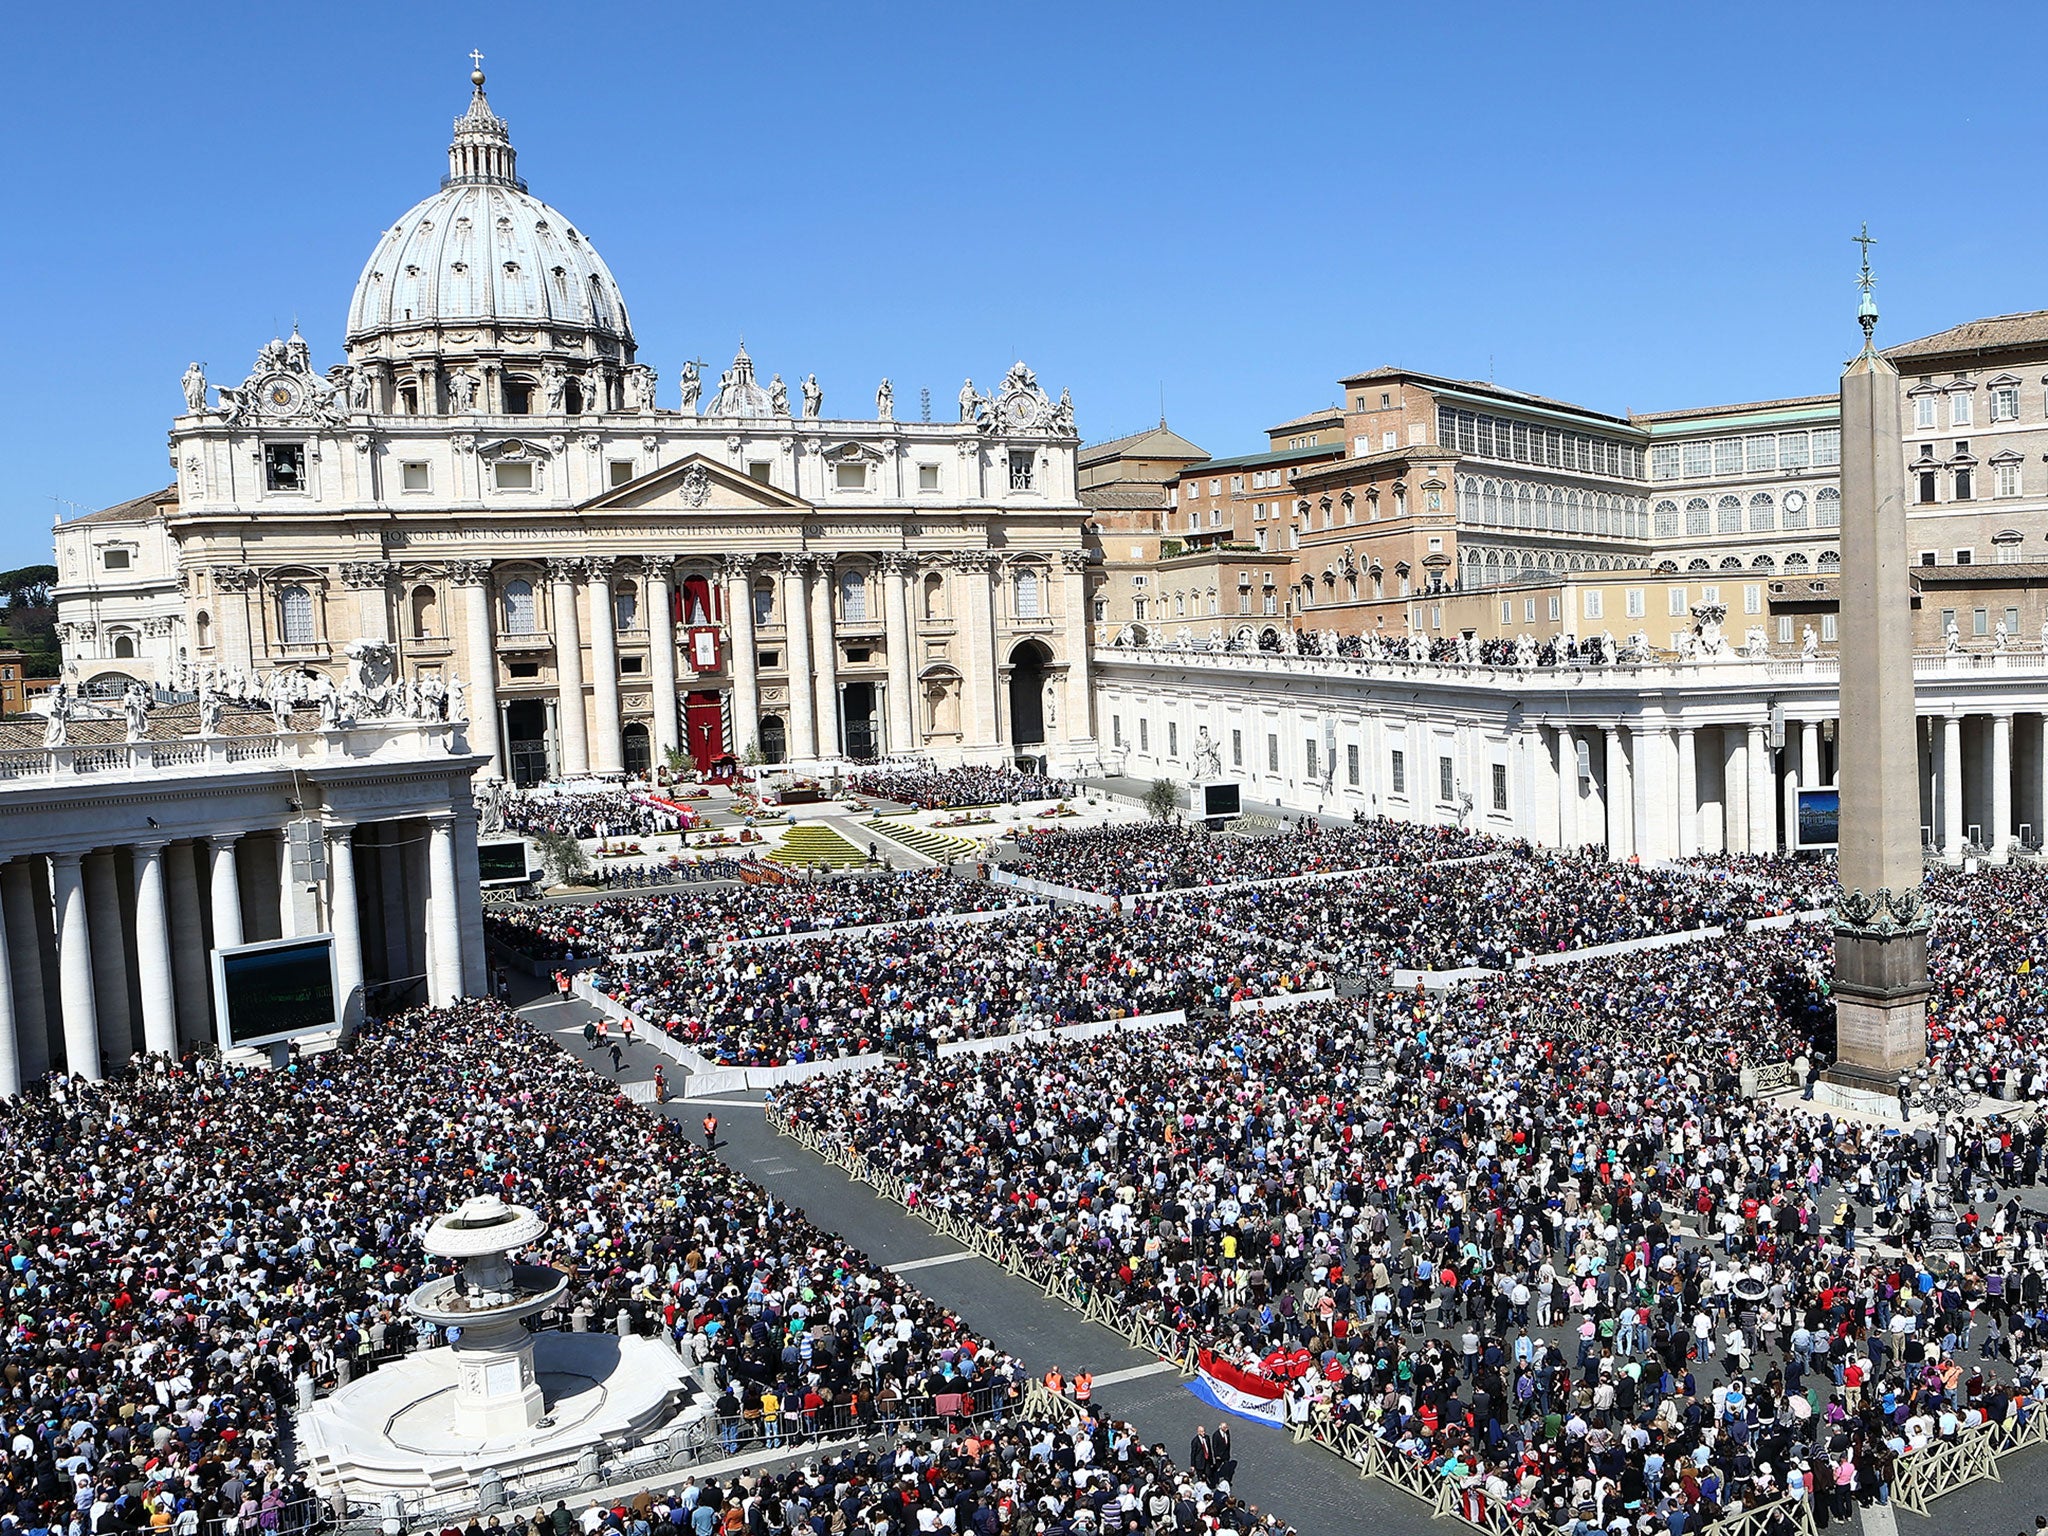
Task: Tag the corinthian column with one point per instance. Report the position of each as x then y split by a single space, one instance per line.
972 583
153 952
897 573
796 634
744 662
74 968
472 578
562 576
661 643
1074 601
606 750
825 659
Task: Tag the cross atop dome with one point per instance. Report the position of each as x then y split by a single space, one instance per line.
482 150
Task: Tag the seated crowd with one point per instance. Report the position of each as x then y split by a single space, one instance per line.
580 815
906 990
574 935
1161 856
933 789
1488 912
1563 1262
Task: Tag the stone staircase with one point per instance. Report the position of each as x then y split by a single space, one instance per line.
939 847
809 842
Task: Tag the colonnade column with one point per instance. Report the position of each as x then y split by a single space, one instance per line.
661 643
796 635
287 891
1621 800
2041 787
1080 697
1809 754
469 906
1763 815
224 889
562 576
744 663
1952 786
444 940
1568 787
10 1052
153 952
472 579
342 918
1655 771
2001 788
980 717
74 963
1542 822
1735 788
109 957
824 658
20 889
897 570
1688 792
607 754
183 878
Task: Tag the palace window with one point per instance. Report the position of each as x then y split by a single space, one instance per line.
115 559
1446 780
1029 604
619 471
1237 749
1965 486
1763 513
2005 478
2005 403
415 475
1792 452
850 475
1696 515
1923 413
520 618
1022 462
1500 786
927 477
1959 408
1827 445
626 607
512 475
1762 452
853 597
1827 508
1398 779
295 615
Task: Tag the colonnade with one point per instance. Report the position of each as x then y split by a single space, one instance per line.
104 950
805 619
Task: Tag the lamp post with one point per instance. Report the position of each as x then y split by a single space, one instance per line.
1947 1101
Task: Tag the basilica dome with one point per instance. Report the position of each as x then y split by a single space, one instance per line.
482 261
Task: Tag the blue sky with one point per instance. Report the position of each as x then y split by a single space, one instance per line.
1635 207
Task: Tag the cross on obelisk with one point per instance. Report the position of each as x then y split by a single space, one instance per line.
1880 921
476 59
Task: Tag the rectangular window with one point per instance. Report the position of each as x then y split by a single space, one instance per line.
1237 749
1308 756
1594 606
1023 461
1101 607
1173 738
1827 445
1763 452
1528 610
631 663
1792 450
508 475
2012 622
850 476
1966 488
1556 608
1923 413
1351 764
1963 556
2005 403
2005 479
415 475
1752 599
1980 621
927 477
1948 620
769 660
1272 754
1674 599
1699 459
757 469
1144 734
284 466
1827 627
1664 462
621 470
1446 780
1710 594
1507 610
1116 730
114 559
1634 603
1930 557
1500 786
1728 456
1399 777
1959 408
1927 483
1784 629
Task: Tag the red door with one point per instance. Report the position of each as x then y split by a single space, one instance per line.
703 729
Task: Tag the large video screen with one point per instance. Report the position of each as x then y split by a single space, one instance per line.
275 991
500 861
1220 800
1819 818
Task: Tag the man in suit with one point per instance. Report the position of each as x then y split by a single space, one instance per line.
1201 1455
1224 1466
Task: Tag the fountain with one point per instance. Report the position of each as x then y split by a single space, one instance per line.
501 1402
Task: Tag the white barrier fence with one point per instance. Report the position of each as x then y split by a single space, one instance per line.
1282 1001
1050 892
707 1076
1087 1031
943 920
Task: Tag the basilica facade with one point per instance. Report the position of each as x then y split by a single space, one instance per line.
489 491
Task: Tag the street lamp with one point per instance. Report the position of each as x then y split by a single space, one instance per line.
1946 1100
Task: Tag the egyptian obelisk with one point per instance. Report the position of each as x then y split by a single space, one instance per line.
1880 923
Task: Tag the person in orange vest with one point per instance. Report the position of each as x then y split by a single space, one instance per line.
1055 1383
710 1131
1084 1386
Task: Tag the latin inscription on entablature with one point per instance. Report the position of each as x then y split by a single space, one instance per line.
690 528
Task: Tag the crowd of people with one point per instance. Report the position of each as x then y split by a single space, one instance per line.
907 990
573 935
585 812
1534 1237
1488 912
1161 856
936 789
1017 1475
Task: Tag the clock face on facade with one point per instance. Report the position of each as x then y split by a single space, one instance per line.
1021 410
1795 501
280 394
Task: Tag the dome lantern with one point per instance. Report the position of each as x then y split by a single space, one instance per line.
481 152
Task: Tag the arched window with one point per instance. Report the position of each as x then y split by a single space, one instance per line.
1667 519
520 618
1696 515
1763 563
1308 591
1731 562
934 597
764 603
1028 595
1795 561
295 615
626 606
424 615
698 600
1827 508
1829 560
1728 515
202 631
1763 513
124 647
853 597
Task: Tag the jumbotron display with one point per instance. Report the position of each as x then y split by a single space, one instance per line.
275 991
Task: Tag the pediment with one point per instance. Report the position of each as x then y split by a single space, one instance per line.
695 485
